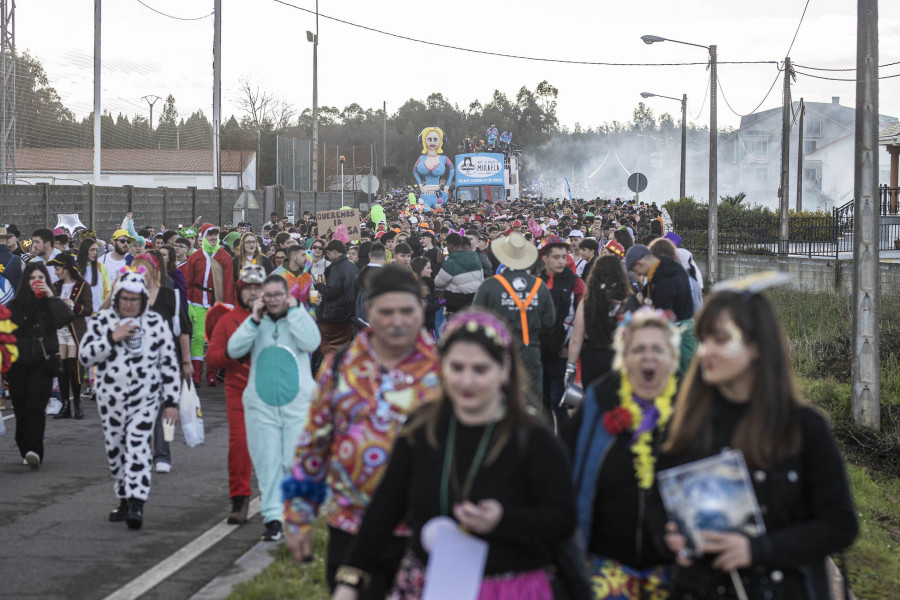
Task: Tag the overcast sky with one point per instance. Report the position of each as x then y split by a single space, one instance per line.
146 53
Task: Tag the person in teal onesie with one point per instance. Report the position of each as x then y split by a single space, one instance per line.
278 336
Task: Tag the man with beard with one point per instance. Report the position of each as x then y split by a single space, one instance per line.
221 323
278 336
366 393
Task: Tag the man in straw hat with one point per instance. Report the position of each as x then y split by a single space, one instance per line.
523 300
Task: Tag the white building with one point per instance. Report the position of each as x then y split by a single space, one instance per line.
140 168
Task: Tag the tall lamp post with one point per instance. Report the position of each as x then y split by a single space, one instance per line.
342 181
314 38
683 101
713 252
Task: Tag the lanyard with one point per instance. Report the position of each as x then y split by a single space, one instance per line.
449 447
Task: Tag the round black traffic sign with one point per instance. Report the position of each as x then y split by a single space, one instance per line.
637 182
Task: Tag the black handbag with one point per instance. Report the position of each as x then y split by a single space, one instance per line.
53 363
570 580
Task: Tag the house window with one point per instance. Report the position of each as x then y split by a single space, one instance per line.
757 147
813 127
810 146
811 179
761 173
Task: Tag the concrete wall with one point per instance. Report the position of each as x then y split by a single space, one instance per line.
807 274
102 209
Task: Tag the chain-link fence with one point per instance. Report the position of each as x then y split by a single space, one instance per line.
293 166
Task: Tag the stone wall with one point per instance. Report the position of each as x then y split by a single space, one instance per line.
807 274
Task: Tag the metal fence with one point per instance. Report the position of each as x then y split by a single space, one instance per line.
292 163
808 236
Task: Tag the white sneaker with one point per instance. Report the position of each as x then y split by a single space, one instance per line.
25 462
33 460
163 467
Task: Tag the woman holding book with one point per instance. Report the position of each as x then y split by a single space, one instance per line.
739 393
615 439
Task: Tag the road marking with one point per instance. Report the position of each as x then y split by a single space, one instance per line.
163 570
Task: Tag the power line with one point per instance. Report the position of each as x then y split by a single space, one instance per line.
891 64
766 97
145 5
703 102
788 53
839 78
516 56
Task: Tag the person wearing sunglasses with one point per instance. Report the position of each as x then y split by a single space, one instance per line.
319 262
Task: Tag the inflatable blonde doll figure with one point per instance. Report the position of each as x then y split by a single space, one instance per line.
431 167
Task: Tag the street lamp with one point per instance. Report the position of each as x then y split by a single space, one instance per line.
683 101
314 38
342 181
713 252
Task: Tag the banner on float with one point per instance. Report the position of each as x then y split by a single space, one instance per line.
328 220
479 169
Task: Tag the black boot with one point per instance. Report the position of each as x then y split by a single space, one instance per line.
119 513
79 412
64 411
239 508
135 517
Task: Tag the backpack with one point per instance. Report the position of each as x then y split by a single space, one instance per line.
7 292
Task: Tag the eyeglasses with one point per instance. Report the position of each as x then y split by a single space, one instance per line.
317 248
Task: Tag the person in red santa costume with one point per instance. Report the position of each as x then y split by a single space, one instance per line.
208 276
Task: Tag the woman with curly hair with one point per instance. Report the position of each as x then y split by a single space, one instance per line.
608 296
614 439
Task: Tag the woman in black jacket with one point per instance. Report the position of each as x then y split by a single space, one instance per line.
739 393
37 313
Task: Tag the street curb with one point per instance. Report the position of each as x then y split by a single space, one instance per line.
252 563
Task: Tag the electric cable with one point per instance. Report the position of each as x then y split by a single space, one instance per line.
788 53
516 56
145 5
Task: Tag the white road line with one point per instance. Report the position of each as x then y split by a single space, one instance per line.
168 567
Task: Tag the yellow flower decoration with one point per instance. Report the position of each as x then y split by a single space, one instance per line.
7 326
642 448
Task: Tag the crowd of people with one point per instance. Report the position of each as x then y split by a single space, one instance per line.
432 369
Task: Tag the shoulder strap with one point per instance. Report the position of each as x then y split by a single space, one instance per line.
522 306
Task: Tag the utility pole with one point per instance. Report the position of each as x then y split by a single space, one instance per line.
8 93
681 187
802 109
784 195
865 401
217 95
314 38
713 252
97 119
148 99
384 144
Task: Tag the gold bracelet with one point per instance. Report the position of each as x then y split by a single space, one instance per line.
352 576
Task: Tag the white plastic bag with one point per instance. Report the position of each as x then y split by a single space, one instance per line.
53 406
2 426
190 415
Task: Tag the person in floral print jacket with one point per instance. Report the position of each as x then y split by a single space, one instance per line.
365 395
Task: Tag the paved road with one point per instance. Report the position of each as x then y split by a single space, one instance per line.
56 541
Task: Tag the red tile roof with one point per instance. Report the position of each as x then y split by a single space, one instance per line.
70 160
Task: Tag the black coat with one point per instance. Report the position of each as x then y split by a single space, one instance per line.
670 289
807 509
338 292
37 321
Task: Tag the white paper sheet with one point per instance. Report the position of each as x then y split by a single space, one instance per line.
455 561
